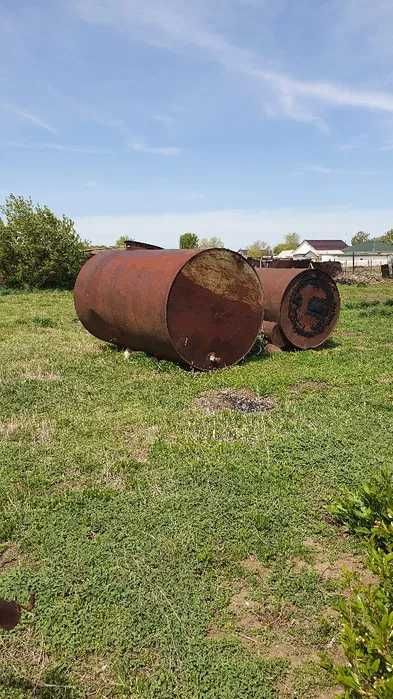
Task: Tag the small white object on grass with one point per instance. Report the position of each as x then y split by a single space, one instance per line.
127 354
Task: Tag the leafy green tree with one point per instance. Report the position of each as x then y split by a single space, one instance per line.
259 249
37 249
279 248
188 241
291 241
213 242
387 237
360 237
120 242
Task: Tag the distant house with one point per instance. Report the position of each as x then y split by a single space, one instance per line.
321 250
370 254
285 254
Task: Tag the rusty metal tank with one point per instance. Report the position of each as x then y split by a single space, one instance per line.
203 308
304 303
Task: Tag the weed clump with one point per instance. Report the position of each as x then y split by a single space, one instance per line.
367 615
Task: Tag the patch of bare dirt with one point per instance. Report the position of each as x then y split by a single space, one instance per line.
274 633
252 616
296 655
329 569
246 612
242 400
252 565
329 693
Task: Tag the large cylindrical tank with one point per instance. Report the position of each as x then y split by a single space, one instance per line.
200 307
304 303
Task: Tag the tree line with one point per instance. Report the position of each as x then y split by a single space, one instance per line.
257 249
40 250
362 237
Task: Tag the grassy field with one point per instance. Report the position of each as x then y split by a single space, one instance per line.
174 553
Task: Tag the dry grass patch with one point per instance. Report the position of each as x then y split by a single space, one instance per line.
10 557
9 428
139 440
20 428
386 379
23 655
41 376
309 386
96 678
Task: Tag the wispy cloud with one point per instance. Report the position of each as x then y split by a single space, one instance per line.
170 24
87 112
30 117
320 170
62 147
166 151
327 171
164 119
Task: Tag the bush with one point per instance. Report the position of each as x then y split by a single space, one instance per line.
37 249
367 615
188 241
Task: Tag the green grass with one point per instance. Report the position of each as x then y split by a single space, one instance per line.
139 521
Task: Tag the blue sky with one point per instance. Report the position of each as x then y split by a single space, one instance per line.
246 119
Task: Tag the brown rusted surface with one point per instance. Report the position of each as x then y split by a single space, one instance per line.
138 245
304 303
334 269
273 333
10 613
200 307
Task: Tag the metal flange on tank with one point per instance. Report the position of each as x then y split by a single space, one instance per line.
301 306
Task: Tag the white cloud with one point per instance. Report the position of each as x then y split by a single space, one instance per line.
164 119
174 25
166 151
240 227
62 147
30 117
323 170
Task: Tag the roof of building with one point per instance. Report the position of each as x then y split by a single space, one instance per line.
327 244
285 254
371 247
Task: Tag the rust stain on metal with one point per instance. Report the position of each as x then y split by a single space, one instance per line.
305 304
139 245
11 612
203 308
273 333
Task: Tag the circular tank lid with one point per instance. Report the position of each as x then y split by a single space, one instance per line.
214 309
309 309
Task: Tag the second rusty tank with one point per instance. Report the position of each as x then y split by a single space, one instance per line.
303 305
203 308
